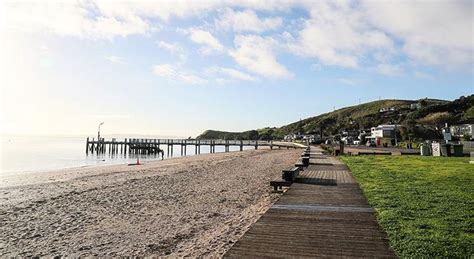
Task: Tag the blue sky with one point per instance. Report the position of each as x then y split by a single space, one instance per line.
179 68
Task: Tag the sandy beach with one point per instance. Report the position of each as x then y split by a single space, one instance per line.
189 206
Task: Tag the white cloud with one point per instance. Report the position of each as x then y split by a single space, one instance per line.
106 19
164 10
74 18
360 33
171 47
115 59
174 48
237 74
346 33
389 69
232 73
432 33
209 43
255 54
246 21
337 34
174 73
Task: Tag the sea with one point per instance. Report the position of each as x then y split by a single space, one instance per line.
27 154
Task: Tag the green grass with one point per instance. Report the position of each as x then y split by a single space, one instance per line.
425 204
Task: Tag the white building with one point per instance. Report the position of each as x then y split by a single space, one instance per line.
462 130
290 138
388 109
383 135
383 131
309 138
415 106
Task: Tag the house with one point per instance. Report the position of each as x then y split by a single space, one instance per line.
312 138
383 135
415 106
349 136
308 138
388 109
383 131
462 130
290 137
351 133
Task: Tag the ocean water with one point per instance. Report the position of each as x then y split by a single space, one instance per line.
21 154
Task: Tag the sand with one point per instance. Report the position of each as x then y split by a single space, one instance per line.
191 206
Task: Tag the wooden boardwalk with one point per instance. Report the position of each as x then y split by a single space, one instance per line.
323 214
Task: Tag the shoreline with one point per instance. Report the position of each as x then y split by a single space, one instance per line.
10 179
185 206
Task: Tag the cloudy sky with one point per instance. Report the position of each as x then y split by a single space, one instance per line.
178 68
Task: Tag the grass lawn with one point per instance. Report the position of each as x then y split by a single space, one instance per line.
425 204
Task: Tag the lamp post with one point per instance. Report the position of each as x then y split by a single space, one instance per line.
98 131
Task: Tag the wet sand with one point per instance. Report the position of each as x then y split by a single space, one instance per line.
191 206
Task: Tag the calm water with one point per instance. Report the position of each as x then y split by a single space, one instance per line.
36 154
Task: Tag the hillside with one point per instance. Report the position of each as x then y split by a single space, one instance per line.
420 122
216 134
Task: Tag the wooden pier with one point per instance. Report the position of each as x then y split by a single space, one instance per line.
323 214
156 146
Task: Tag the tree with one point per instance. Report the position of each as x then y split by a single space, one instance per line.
437 119
469 113
423 103
404 133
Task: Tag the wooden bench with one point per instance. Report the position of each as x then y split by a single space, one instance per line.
277 185
290 174
299 164
305 160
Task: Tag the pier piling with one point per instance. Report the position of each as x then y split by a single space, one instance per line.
87 146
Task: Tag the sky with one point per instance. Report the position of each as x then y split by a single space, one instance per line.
177 68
